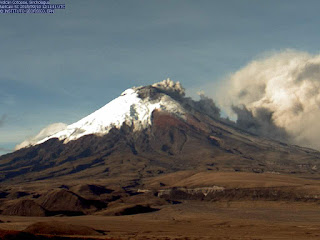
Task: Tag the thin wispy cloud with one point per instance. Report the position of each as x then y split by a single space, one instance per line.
3 119
5 149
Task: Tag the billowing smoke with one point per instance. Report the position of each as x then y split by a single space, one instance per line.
204 105
277 96
260 123
46 132
170 86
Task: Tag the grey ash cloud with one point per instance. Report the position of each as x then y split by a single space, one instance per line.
205 105
260 123
277 96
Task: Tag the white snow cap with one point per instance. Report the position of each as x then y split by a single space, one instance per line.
128 108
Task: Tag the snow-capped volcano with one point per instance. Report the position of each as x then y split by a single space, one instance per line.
129 108
148 131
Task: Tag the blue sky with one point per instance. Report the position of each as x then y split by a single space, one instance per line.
63 66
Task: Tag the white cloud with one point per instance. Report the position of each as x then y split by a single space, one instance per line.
286 87
46 132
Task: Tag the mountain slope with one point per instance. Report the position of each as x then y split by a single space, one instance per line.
149 131
129 108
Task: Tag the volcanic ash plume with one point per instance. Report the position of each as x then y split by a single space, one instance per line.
170 86
278 97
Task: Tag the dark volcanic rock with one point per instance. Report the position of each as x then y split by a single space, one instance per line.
25 208
61 228
60 201
127 209
16 235
17 194
90 191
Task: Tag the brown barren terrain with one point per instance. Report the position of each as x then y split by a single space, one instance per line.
250 206
198 220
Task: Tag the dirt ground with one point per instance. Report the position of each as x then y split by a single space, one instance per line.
200 220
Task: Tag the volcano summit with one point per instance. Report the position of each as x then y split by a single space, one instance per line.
148 131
